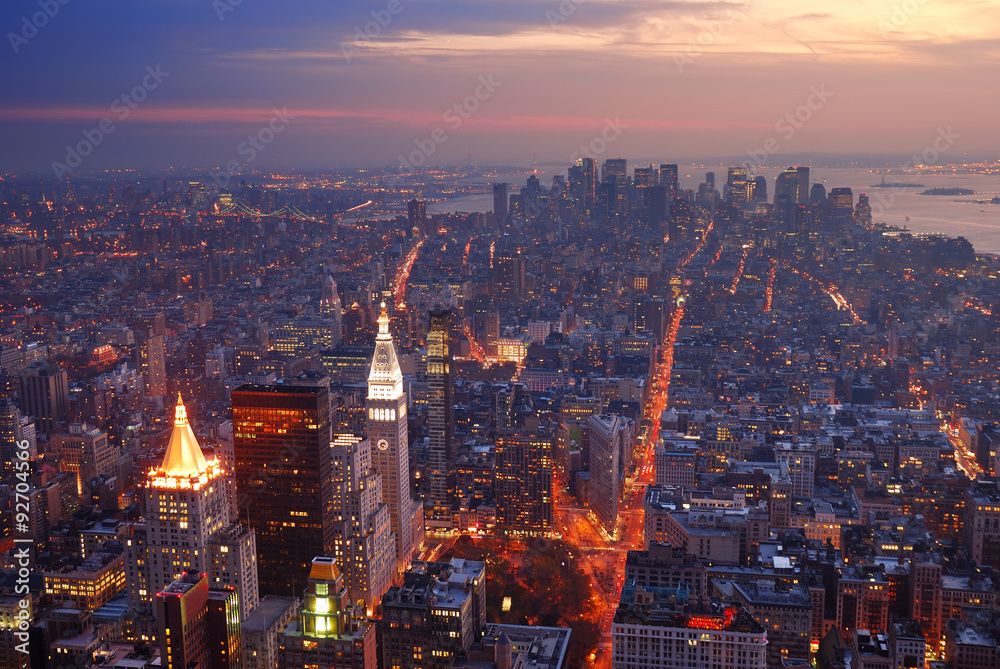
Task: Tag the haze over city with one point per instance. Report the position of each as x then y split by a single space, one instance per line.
690 80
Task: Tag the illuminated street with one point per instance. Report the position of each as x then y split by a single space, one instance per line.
403 274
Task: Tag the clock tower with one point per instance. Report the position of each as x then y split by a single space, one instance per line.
386 420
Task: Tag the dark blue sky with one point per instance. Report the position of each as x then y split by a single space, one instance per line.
684 78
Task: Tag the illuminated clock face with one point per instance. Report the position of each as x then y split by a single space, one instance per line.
382 444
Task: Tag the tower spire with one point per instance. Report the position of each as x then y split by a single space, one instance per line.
385 378
183 456
383 323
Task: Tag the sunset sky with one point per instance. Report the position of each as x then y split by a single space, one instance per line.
686 79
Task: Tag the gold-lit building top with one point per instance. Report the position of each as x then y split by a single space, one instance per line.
184 465
385 379
324 569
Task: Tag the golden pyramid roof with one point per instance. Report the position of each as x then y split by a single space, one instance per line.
183 456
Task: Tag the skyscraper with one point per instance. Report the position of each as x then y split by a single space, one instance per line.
840 206
863 211
616 170
417 216
331 310
655 206
614 193
802 195
364 545
786 189
87 452
187 526
387 430
508 278
605 454
492 333
817 195
15 427
760 188
500 204
668 179
151 361
736 185
680 225
440 416
793 184
281 438
198 626
589 167
981 529
45 394
645 177
185 505
524 481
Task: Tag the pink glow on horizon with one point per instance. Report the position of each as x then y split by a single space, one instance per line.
414 119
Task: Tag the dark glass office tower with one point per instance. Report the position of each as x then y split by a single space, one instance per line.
440 414
500 204
281 436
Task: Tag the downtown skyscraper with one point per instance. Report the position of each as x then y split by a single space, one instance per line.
387 430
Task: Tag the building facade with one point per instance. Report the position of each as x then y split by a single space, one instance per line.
187 526
650 631
387 431
437 612
363 541
524 481
281 438
605 458
329 632
440 417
